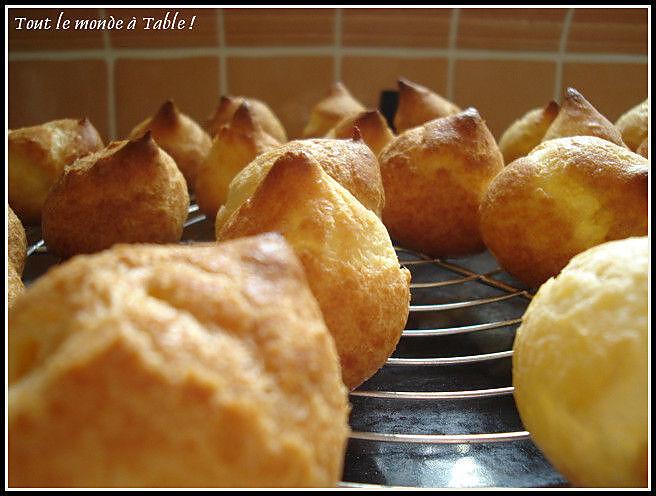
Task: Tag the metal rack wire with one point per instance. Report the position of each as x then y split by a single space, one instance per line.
454 275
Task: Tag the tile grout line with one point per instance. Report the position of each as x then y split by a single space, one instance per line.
562 47
337 55
393 52
453 36
111 97
223 65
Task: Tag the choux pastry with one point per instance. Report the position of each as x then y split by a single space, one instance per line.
234 147
564 197
577 117
434 177
337 105
16 241
418 105
129 192
260 111
633 125
371 125
350 162
179 136
175 366
348 257
527 132
580 366
37 156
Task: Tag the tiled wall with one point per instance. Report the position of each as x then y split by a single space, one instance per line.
502 61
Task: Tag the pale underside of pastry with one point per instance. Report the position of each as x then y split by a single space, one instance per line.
348 257
580 366
434 177
370 124
129 192
233 148
261 112
634 125
418 105
175 366
180 136
527 132
37 156
349 162
337 105
564 197
577 117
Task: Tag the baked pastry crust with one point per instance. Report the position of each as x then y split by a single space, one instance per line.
233 148
336 105
179 136
16 241
129 192
527 132
37 156
564 197
577 117
434 177
418 105
350 162
371 126
175 366
348 257
580 366
260 111
634 125
643 149
15 286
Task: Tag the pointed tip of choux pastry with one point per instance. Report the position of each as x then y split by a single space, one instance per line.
167 112
243 117
551 109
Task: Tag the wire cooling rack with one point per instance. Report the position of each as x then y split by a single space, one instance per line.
440 413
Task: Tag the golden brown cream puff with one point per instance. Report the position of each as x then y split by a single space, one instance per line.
418 105
434 177
580 366
527 132
234 147
129 192
350 162
371 125
37 156
175 366
260 112
179 136
577 117
16 241
564 197
338 104
348 257
633 125
643 149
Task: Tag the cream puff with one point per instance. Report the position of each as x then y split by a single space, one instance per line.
348 257
434 177
260 112
16 241
566 196
37 156
418 105
179 136
174 366
338 104
633 125
234 147
129 192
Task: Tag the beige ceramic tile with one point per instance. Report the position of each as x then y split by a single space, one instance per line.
608 31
